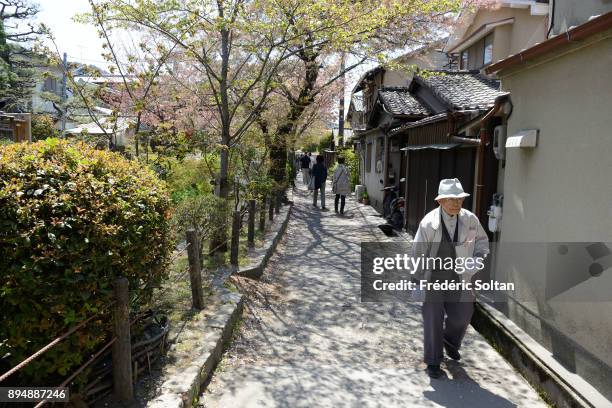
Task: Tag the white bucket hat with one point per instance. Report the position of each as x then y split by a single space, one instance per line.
451 188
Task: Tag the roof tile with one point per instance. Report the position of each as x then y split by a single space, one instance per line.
399 101
463 89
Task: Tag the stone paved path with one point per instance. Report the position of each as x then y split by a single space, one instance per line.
307 341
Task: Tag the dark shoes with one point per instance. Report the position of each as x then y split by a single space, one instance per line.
452 352
434 371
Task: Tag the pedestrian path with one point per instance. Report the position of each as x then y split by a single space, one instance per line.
308 341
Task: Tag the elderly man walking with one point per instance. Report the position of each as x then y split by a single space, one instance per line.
448 231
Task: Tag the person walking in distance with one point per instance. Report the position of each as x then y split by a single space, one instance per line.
341 185
448 231
319 172
305 168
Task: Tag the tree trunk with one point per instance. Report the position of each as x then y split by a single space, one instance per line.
262 215
278 149
219 239
218 242
251 230
235 252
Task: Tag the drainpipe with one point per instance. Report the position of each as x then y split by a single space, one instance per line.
386 147
484 141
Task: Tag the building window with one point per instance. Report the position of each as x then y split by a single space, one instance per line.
368 157
488 50
464 60
380 153
50 84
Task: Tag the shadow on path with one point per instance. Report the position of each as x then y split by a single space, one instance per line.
307 341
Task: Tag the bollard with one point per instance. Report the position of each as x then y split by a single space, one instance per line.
262 214
195 271
122 348
279 198
251 230
235 248
271 207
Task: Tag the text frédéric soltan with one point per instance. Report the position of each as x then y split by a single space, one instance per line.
410 285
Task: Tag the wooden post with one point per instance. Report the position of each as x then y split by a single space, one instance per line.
271 207
122 348
195 271
251 230
262 214
235 248
279 197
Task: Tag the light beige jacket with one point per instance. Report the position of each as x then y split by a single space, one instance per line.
429 235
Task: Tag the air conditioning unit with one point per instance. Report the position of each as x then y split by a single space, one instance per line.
499 142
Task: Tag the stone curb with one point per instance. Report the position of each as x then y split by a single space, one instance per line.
255 270
560 387
181 389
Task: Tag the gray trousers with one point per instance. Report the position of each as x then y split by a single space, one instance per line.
314 198
305 176
437 330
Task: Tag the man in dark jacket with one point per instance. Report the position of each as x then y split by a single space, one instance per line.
319 172
305 167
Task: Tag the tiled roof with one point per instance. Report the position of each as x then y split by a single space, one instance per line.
463 89
399 101
426 121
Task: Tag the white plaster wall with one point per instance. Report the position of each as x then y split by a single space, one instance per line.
372 179
562 189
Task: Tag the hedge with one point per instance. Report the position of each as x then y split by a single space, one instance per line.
72 219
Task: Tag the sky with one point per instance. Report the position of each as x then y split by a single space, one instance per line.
82 44
80 41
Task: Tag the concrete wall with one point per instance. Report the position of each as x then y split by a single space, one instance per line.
397 78
508 39
561 191
40 105
431 59
572 13
372 178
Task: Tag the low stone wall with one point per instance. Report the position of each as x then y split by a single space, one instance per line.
195 356
558 386
261 255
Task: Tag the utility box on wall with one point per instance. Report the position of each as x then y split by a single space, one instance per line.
499 142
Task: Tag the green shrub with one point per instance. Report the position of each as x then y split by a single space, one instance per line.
189 178
203 212
43 127
325 143
72 219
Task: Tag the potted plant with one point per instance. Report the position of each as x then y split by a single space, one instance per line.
366 198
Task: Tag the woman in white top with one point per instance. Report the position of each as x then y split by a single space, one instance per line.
341 186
